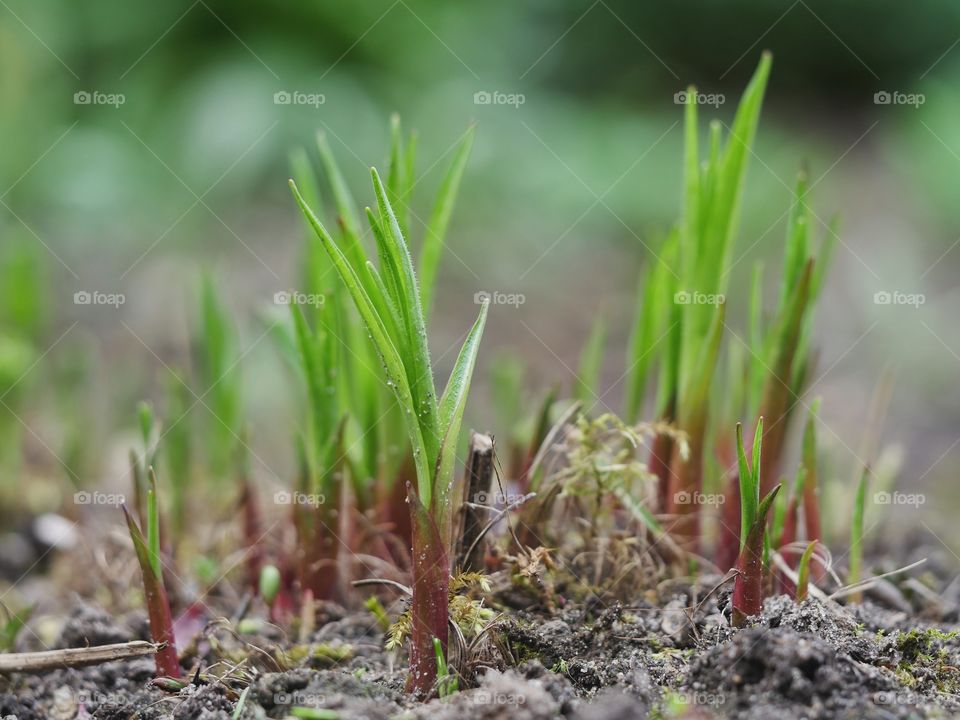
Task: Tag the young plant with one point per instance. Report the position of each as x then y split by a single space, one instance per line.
778 354
220 380
377 458
587 383
155 595
388 300
803 573
748 584
447 682
11 626
695 290
856 534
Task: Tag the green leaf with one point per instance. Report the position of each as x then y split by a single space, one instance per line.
417 352
452 406
757 441
393 365
749 490
440 218
856 529
803 573
397 174
587 382
153 525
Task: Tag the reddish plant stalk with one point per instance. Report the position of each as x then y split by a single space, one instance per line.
686 483
660 453
778 394
158 605
788 535
728 540
539 435
748 586
431 597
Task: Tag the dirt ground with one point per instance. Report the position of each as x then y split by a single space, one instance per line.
673 654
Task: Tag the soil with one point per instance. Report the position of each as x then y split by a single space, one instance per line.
673 654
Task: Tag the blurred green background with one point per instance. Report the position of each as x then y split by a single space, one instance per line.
178 162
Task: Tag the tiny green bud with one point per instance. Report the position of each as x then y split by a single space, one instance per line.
269 583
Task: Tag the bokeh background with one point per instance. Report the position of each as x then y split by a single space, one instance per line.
179 163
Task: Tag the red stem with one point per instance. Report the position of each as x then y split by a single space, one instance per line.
431 597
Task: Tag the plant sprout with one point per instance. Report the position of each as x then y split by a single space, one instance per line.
389 302
155 594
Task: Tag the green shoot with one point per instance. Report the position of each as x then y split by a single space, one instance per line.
811 490
375 607
712 199
749 482
306 713
220 379
158 606
587 383
12 625
241 703
856 534
434 239
389 302
269 584
748 585
447 683
803 573
178 452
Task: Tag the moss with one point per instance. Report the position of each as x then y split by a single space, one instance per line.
920 644
925 662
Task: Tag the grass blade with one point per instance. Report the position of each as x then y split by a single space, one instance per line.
440 219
